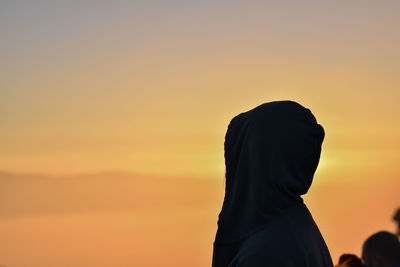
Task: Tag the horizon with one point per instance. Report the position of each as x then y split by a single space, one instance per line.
88 199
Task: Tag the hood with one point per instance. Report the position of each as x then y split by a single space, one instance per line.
271 154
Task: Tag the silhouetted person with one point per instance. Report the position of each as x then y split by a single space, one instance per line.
271 154
381 250
349 260
396 218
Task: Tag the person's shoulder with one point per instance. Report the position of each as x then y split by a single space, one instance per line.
270 246
261 260
292 240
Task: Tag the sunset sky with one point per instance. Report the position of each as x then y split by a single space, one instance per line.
149 87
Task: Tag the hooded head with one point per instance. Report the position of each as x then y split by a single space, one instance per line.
271 154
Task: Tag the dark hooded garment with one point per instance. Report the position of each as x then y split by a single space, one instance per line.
271 154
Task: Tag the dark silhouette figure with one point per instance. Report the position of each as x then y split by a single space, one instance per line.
271 154
349 260
382 249
396 218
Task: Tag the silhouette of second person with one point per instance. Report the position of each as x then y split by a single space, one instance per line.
381 249
271 154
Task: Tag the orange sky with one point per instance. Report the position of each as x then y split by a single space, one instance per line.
149 87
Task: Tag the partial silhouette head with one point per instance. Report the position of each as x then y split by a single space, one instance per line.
396 218
382 249
349 260
271 154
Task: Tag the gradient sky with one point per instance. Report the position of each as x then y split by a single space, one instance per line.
150 86
133 84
